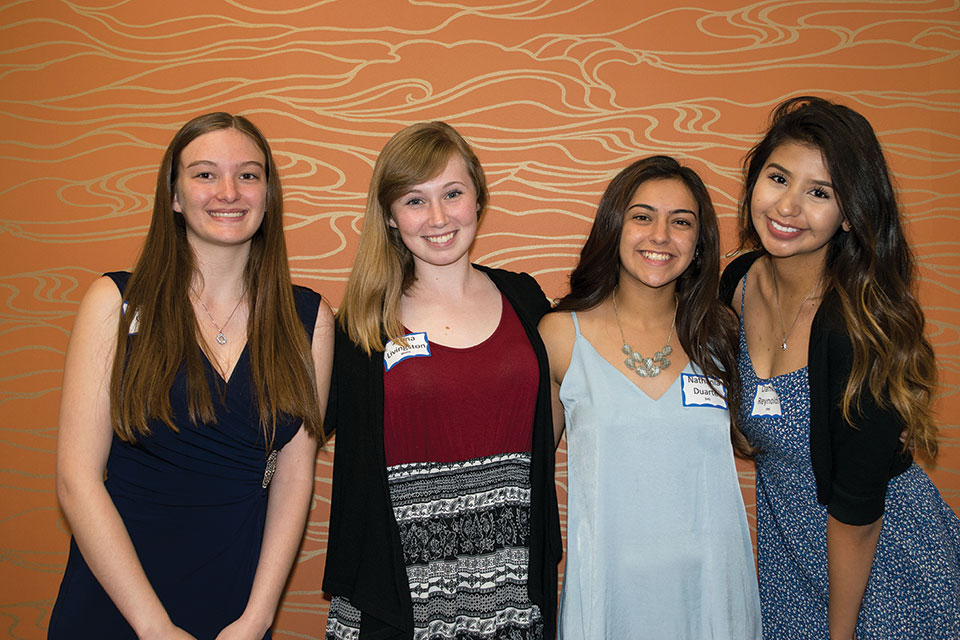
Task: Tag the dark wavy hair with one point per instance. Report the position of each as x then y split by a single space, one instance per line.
144 369
870 268
707 329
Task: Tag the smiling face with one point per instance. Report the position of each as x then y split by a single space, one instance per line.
793 206
437 219
659 235
221 188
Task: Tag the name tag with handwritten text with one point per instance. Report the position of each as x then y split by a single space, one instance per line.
697 392
417 347
766 402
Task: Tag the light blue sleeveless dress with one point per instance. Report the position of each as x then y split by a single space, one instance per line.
658 544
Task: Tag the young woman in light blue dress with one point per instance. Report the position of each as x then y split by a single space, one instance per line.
643 359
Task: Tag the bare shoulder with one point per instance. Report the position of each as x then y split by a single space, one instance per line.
322 351
323 333
558 335
324 321
85 399
101 305
557 327
93 340
102 292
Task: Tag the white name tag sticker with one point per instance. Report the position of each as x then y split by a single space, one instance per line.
697 392
135 323
766 402
417 347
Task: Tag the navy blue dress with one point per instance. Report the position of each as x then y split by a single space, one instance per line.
914 588
194 505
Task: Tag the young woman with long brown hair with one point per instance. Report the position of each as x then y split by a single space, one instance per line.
643 366
853 539
444 519
192 405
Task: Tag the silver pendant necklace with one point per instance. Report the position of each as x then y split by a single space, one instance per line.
221 339
645 367
776 294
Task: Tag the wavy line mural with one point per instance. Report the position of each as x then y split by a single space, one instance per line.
556 95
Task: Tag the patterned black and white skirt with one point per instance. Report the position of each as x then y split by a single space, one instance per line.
465 529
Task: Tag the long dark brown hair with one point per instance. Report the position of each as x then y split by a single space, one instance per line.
869 268
281 364
383 269
707 329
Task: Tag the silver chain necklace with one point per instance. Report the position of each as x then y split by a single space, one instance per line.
221 339
776 294
645 367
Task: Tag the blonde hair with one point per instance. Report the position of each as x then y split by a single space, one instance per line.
383 268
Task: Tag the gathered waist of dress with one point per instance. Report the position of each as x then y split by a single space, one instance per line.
184 478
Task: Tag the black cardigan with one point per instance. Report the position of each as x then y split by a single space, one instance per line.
852 464
364 553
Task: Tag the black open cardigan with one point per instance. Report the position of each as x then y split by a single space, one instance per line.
852 463
364 553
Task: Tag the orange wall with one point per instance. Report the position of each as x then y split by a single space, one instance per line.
556 95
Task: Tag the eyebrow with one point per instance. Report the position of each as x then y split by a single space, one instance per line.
195 163
822 183
647 207
416 188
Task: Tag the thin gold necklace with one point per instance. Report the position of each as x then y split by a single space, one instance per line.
776 294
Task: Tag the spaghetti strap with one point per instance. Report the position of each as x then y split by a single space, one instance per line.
576 323
743 294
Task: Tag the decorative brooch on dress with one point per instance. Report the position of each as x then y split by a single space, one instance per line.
271 468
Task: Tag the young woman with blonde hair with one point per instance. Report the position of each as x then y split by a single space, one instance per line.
192 403
444 520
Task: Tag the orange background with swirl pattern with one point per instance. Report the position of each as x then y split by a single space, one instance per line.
556 96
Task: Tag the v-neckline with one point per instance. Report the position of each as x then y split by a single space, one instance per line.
216 372
627 379
753 369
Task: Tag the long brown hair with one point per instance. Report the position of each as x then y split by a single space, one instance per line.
383 268
706 328
158 295
869 268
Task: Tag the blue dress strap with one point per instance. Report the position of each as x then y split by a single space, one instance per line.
743 294
576 323
120 278
307 302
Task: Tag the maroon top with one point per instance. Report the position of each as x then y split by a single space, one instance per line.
460 404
